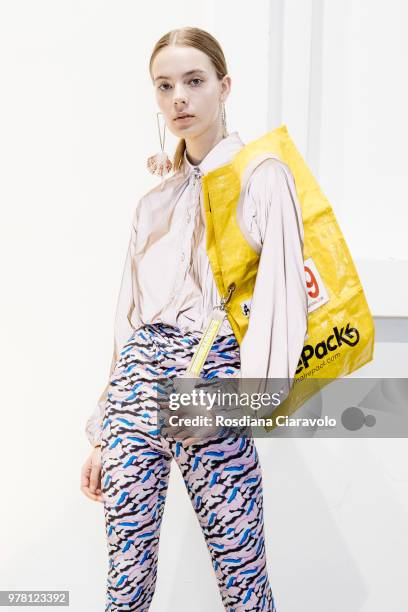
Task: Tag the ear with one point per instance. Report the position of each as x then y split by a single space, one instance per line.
225 87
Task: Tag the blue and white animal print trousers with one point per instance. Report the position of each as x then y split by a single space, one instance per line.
222 477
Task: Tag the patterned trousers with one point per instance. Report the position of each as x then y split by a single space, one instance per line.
222 478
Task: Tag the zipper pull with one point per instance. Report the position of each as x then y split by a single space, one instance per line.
197 173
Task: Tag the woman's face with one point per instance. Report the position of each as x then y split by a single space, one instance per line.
185 81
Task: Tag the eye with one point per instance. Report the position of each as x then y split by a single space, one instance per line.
196 82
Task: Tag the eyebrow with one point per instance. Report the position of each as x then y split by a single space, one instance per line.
197 71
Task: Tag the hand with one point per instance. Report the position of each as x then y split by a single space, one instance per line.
187 434
205 427
91 476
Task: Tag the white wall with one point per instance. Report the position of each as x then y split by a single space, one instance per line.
343 98
77 122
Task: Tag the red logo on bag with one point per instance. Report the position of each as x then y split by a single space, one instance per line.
317 294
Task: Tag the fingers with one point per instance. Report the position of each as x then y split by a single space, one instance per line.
91 476
203 435
93 496
191 441
95 478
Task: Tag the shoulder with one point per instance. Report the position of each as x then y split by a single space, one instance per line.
270 194
268 177
270 186
153 199
164 185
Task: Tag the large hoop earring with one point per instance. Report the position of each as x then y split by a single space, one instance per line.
160 163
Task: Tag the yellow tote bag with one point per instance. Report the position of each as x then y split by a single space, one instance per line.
340 334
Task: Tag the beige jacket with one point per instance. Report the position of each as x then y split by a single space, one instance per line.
167 275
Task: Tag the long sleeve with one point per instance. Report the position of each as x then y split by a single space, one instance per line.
277 326
123 329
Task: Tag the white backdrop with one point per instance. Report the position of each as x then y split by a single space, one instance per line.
77 117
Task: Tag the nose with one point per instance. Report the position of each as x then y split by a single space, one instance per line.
179 95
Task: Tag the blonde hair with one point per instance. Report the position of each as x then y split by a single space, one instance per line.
205 42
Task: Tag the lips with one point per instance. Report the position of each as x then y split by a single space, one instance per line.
183 117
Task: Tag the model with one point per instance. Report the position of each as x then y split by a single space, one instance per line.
167 297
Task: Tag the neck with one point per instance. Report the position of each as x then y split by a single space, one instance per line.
198 146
